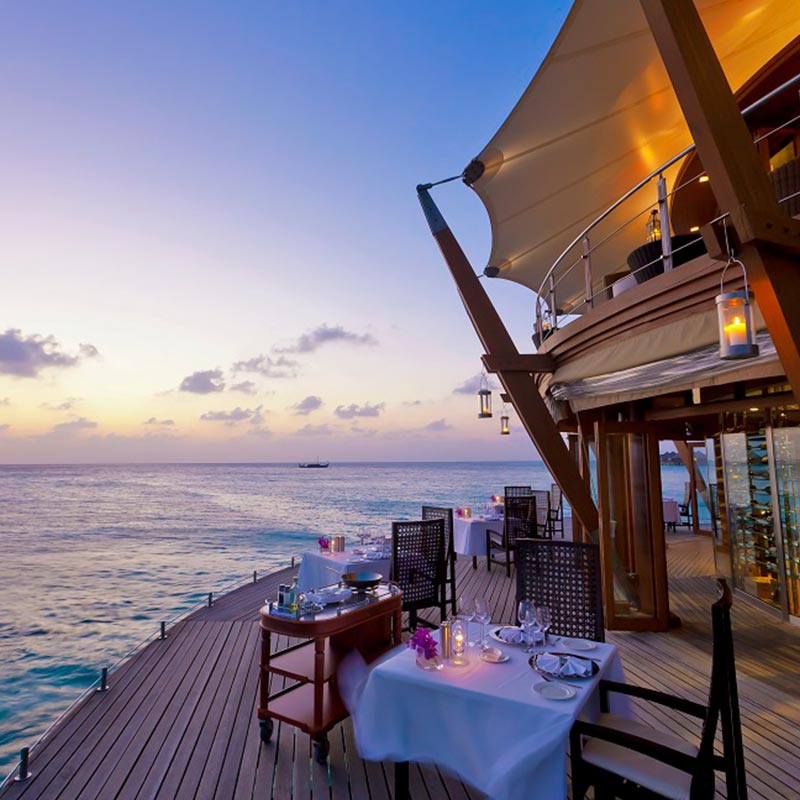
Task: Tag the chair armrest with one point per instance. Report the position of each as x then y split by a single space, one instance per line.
660 752
654 696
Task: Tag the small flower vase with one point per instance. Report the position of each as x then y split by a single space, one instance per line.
324 549
429 664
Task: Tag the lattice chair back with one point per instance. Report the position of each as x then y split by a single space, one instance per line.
687 493
542 516
520 520
723 704
556 498
565 577
446 514
517 491
418 565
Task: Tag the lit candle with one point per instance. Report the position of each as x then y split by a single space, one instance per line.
459 648
736 331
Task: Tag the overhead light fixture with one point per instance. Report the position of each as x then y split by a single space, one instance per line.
694 229
504 429
737 331
703 179
653 226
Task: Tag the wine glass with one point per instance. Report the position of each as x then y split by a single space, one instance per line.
466 614
526 614
544 622
483 616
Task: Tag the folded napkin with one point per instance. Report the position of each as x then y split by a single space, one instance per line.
511 635
566 666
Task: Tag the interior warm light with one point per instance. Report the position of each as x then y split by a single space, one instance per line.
753 409
484 399
703 179
694 229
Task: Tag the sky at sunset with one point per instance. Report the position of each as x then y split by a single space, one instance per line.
212 248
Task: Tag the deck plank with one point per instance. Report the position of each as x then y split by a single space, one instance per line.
180 719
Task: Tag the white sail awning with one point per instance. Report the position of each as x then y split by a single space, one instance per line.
598 116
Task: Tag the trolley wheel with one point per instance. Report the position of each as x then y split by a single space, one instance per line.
267 726
321 749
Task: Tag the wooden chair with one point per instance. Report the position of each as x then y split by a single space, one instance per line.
446 514
685 507
626 759
542 517
565 578
519 522
418 566
556 510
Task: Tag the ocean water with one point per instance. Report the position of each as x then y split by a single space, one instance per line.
96 556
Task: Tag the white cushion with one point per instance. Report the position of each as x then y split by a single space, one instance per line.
640 769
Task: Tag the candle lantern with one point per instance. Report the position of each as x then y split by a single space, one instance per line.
458 644
504 429
484 399
737 330
653 227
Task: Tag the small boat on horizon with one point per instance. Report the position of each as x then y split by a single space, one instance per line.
314 464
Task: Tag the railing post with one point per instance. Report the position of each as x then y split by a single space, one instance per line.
163 634
587 271
103 687
255 576
552 301
663 218
210 599
23 773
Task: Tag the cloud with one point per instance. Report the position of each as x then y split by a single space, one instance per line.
356 429
205 382
412 402
67 405
5 401
253 415
262 432
88 350
314 430
438 425
471 385
154 421
27 356
354 410
4 426
245 387
323 334
268 367
73 426
307 405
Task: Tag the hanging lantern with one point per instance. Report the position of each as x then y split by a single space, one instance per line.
653 227
484 398
504 429
737 330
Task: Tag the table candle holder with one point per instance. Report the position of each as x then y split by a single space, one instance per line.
458 638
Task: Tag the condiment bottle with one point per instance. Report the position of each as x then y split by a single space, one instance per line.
446 639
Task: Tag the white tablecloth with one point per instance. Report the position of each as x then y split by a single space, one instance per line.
469 535
318 569
483 722
669 509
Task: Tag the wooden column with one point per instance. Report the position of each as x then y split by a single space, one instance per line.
770 239
519 385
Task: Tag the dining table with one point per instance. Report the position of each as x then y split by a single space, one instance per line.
469 533
322 567
487 723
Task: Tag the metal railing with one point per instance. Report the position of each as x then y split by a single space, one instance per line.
101 684
549 316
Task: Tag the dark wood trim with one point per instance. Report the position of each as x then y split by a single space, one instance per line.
524 362
770 238
519 386
712 409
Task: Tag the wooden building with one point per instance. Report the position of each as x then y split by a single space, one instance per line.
651 164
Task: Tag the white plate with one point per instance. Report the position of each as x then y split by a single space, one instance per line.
577 644
493 634
555 691
494 655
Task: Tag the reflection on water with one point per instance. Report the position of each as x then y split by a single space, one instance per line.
96 556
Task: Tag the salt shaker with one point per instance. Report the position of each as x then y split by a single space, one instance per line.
446 639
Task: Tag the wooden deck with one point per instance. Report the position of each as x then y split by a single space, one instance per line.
179 720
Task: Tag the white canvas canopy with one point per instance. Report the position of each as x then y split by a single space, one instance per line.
598 116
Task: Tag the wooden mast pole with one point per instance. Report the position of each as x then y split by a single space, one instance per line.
513 369
769 238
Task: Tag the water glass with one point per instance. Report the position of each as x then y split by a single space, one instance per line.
544 622
465 613
526 614
483 616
